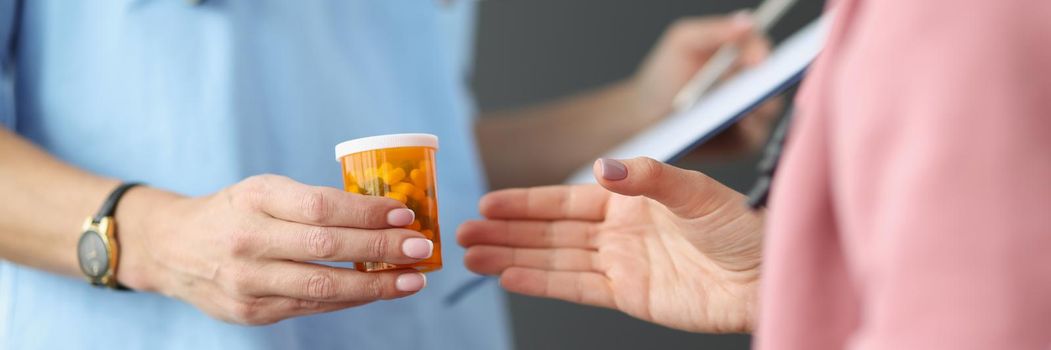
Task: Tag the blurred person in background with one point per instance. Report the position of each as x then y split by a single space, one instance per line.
197 99
909 212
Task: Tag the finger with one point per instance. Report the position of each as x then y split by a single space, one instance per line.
581 202
287 307
286 199
755 127
748 134
707 34
579 287
688 194
327 284
268 310
528 234
754 49
295 241
492 260
290 307
767 112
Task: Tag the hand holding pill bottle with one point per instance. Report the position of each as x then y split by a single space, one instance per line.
400 167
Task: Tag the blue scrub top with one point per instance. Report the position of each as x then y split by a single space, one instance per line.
194 98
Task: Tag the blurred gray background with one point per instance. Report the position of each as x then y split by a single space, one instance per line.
529 51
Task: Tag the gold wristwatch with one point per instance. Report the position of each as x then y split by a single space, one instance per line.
98 250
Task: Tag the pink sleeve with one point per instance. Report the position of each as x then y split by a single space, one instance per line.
941 166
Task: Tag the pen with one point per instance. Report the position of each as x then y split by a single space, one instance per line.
768 12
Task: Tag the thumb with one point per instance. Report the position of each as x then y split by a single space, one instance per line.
687 193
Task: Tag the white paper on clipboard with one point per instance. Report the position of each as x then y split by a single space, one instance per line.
679 133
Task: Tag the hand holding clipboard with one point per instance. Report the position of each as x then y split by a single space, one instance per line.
723 106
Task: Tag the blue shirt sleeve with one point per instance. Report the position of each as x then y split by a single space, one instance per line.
8 21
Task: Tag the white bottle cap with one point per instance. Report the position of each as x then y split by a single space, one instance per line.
385 141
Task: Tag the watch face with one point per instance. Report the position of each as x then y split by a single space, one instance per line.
91 251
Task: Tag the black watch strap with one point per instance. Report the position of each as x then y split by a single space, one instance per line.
109 207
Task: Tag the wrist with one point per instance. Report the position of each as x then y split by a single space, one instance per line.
137 218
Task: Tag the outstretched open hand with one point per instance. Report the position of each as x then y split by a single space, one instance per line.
663 244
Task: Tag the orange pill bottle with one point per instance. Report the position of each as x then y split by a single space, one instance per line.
400 167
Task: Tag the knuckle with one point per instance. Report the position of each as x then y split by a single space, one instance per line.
377 246
322 243
239 243
372 288
245 312
702 181
650 167
315 207
240 285
321 286
250 192
236 280
370 212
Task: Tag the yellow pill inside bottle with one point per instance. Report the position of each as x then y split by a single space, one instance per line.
400 167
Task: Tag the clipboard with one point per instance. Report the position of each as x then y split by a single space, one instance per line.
680 133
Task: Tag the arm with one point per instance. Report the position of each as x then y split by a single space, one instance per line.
241 255
45 202
545 144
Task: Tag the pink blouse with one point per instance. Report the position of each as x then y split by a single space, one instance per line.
913 206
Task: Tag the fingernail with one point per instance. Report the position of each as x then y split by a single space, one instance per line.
613 169
742 18
419 248
410 282
400 217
